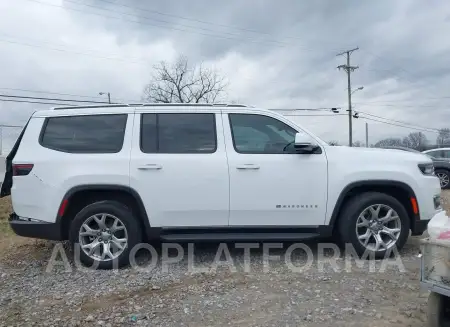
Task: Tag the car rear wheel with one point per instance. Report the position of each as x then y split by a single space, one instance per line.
444 178
104 233
374 224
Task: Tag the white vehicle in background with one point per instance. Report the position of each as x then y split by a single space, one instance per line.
109 177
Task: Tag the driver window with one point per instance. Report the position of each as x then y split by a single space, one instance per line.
261 134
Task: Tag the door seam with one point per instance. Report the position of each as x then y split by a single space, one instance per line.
228 165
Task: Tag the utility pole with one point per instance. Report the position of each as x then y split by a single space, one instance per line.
349 69
367 135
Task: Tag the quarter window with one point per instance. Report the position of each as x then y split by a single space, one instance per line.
84 134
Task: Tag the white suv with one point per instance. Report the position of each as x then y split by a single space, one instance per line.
109 177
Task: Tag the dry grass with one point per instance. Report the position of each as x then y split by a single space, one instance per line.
23 247
5 210
446 201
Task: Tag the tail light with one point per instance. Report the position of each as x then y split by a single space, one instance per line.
21 169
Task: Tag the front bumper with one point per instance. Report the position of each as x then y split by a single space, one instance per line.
35 229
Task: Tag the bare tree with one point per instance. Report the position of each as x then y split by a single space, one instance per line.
358 144
180 83
390 141
334 143
443 137
407 142
416 140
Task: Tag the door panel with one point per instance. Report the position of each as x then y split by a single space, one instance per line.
183 180
269 185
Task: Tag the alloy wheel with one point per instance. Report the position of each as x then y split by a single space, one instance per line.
103 237
378 227
443 179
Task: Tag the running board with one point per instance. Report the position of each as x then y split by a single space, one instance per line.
237 237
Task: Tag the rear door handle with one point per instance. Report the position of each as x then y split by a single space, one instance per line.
248 166
150 167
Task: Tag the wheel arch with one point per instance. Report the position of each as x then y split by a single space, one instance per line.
399 190
79 196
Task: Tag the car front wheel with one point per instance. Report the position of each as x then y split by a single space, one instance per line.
374 224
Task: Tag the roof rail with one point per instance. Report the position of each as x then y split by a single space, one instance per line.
234 105
153 105
175 104
92 106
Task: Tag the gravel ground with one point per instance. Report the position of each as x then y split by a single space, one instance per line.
34 293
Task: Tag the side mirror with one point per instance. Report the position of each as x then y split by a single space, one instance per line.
302 140
303 144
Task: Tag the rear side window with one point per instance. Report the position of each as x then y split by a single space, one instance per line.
84 134
178 133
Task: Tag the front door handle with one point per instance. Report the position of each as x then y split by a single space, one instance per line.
247 166
150 167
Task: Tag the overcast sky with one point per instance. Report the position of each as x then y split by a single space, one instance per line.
274 54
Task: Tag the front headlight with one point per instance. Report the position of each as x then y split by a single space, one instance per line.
427 168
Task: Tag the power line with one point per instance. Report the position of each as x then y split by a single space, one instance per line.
398 125
69 51
307 109
52 99
144 17
396 105
94 52
415 100
57 93
38 102
186 26
194 20
280 44
19 99
316 115
356 112
46 92
397 121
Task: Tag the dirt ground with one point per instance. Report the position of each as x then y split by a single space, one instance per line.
33 293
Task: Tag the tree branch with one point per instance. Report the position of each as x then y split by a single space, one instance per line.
182 84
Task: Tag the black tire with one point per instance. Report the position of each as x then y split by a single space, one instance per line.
443 172
349 216
118 210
